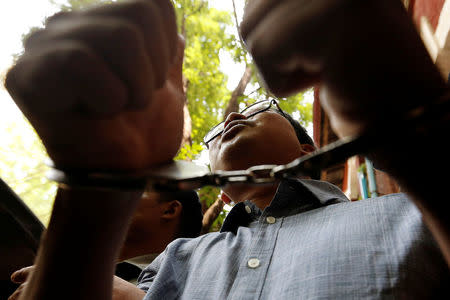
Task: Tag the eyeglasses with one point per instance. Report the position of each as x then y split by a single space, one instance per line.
248 112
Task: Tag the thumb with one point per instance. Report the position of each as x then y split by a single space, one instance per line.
176 70
20 276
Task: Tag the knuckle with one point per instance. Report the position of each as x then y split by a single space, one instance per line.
126 33
34 38
62 15
73 54
143 16
11 82
166 8
14 296
36 67
141 8
19 274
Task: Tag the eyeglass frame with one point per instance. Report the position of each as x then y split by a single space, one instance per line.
270 101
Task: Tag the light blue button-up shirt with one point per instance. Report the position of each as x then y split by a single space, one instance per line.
310 243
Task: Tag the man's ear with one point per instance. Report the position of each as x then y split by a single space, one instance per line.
307 148
171 210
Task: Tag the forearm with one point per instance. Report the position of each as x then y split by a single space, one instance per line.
386 72
378 92
124 290
417 163
78 252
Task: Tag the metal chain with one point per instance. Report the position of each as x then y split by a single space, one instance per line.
304 166
186 175
415 121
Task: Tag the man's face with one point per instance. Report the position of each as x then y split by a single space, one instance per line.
146 219
266 138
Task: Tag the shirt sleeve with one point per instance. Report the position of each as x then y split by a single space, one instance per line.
145 279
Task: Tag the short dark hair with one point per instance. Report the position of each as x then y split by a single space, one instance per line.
302 135
191 213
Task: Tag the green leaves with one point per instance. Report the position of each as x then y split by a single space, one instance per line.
22 167
189 152
204 29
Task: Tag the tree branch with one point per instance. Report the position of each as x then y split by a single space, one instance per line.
211 215
233 104
239 30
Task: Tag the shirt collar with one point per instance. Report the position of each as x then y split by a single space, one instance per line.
293 196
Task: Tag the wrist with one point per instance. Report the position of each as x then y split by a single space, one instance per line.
95 203
92 216
89 224
413 150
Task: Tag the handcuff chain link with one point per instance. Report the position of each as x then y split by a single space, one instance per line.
256 175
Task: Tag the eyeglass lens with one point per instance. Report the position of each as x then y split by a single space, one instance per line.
249 111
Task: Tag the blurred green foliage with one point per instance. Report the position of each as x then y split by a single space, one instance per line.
22 166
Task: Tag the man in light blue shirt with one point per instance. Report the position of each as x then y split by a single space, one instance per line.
299 239
103 88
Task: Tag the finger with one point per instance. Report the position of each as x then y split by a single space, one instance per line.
298 27
119 43
168 14
176 70
283 84
18 292
156 27
60 15
65 77
134 11
254 13
21 275
292 50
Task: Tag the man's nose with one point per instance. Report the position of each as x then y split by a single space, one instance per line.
233 116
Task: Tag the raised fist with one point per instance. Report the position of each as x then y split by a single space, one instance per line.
366 55
102 86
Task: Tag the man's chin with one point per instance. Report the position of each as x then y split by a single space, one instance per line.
240 153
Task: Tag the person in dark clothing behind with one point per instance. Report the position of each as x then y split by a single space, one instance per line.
159 219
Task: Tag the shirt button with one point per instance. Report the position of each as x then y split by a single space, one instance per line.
253 263
248 209
271 220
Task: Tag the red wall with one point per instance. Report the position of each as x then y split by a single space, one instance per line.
317 117
429 8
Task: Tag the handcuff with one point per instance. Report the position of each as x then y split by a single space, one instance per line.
184 175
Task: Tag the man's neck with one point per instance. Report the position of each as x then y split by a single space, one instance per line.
260 195
132 249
